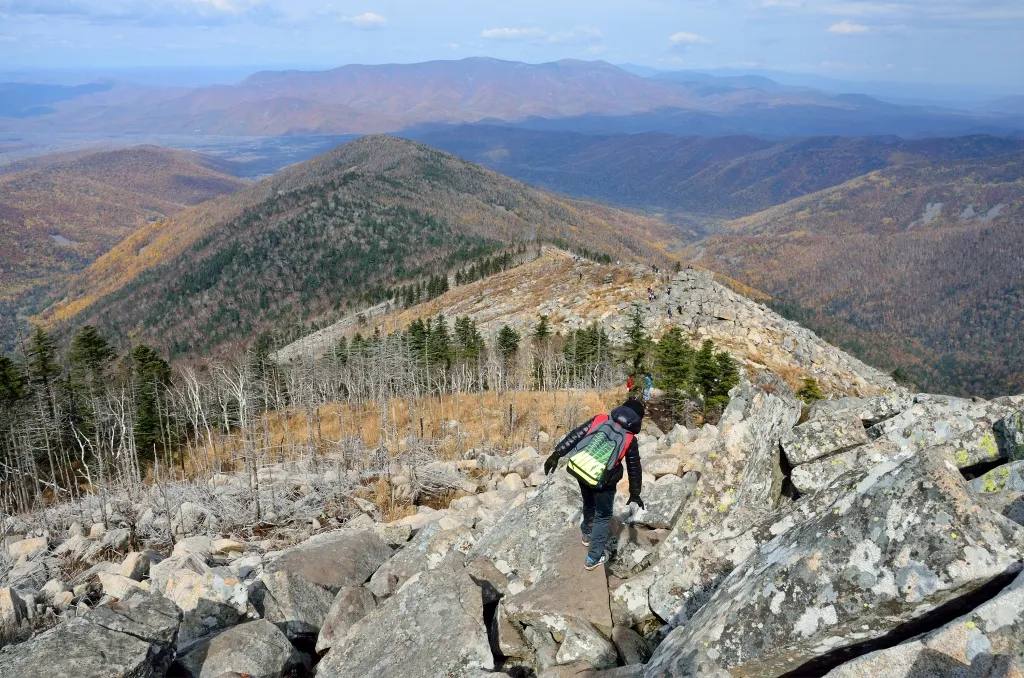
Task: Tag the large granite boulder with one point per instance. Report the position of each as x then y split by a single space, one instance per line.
256 649
549 594
740 482
988 641
527 543
870 410
900 540
131 638
297 587
432 626
212 599
334 560
967 425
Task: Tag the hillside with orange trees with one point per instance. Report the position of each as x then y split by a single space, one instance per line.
917 267
337 232
59 212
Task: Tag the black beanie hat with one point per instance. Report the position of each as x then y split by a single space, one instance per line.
635 405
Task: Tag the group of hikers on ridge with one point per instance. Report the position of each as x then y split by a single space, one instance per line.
597 451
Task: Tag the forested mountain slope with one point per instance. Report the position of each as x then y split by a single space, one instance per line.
334 232
59 212
918 267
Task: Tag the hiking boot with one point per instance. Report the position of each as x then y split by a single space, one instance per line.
591 564
586 540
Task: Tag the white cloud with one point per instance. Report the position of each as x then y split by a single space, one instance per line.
683 38
846 27
576 36
513 33
366 20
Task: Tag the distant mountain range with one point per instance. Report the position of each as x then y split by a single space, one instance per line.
581 95
328 235
694 177
59 212
918 266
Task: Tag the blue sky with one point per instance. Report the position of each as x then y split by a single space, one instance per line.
936 41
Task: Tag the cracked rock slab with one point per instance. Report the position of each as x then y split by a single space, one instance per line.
904 538
988 641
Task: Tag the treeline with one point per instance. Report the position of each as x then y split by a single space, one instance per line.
87 418
92 417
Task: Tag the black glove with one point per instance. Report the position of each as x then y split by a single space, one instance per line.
635 499
550 464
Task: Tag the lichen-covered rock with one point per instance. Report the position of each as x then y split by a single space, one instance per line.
210 600
823 436
132 638
432 626
967 425
349 606
903 538
1002 490
739 485
988 641
256 649
537 547
817 474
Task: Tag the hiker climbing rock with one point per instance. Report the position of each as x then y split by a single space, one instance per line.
596 451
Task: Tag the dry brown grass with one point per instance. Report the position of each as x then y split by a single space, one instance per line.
482 421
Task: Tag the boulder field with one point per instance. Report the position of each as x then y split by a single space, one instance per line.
876 536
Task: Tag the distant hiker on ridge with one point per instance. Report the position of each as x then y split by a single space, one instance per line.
596 452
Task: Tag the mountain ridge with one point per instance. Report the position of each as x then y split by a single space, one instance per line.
376 184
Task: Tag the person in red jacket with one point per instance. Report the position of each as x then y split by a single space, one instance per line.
597 450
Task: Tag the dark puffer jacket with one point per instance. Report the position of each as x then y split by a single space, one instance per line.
630 421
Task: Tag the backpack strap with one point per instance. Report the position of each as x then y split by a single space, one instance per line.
626 442
596 422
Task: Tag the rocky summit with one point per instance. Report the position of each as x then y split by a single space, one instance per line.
878 533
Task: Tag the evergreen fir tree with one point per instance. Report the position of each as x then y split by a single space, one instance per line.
507 344
637 346
674 369
12 382
88 358
151 375
542 332
42 360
